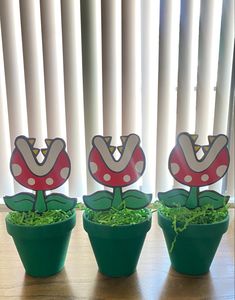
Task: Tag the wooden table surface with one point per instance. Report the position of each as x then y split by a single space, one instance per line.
153 280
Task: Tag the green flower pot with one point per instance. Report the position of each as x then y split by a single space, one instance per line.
117 248
42 249
195 247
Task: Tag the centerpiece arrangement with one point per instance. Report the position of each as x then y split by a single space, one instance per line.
117 222
193 222
40 224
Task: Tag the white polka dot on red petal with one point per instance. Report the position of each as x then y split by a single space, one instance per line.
16 169
175 168
188 178
107 177
204 177
221 170
126 178
93 167
49 181
31 181
139 166
64 173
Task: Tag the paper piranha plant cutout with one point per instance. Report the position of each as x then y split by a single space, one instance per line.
49 174
110 172
186 168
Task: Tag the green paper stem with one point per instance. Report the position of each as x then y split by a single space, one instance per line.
117 198
192 201
40 203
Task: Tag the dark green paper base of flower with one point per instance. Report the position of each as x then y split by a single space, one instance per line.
42 249
195 247
117 248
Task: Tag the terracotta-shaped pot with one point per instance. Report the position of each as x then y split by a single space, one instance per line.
117 248
42 249
195 247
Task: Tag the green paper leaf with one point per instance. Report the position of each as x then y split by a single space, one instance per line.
20 202
135 199
60 201
212 198
100 200
174 198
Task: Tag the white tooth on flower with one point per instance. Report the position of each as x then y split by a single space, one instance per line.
123 139
211 139
194 164
112 149
48 141
205 149
197 148
57 146
120 149
44 151
108 139
32 141
194 137
36 151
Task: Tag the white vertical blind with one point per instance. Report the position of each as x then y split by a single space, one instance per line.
34 73
150 10
14 72
53 67
75 69
210 20
167 84
112 68
222 96
72 50
131 67
54 71
187 75
14 67
224 68
6 182
131 70
92 74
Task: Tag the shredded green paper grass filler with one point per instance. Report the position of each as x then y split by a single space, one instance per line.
32 218
199 215
115 217
182 217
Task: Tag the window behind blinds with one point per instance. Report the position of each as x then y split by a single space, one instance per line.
75 69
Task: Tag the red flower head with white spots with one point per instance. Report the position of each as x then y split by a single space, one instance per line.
52 172
49 174
116 173
186 168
